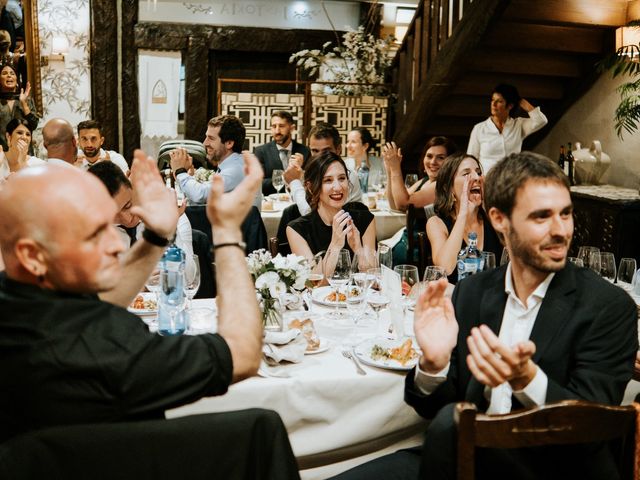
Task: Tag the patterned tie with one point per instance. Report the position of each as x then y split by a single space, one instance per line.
284 158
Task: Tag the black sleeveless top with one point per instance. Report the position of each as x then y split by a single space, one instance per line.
491 242
318 234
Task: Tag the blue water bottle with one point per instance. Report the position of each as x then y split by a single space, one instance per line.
363 177
171 297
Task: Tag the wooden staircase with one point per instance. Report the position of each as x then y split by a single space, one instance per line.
456 51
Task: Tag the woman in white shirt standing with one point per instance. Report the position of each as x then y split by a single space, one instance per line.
502 133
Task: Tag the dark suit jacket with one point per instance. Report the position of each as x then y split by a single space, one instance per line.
270 159
585 335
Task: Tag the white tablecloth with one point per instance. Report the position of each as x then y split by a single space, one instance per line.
331 413
387 222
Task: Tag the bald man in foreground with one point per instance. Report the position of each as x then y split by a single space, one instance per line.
69 357
60 141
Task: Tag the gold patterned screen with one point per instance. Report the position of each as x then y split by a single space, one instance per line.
255 110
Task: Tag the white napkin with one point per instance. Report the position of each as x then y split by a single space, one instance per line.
289 345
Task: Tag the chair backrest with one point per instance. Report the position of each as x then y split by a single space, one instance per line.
417 237
566 422
194 148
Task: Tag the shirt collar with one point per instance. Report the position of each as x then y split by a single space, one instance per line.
539 293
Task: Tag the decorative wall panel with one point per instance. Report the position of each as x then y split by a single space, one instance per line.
255 110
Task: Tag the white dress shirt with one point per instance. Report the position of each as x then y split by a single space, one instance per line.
112 156
517 322
489 146
232 171
298 195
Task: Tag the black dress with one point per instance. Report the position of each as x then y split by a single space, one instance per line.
318 234
491 242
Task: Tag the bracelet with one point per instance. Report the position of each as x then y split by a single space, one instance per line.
154 239
179 171
241 245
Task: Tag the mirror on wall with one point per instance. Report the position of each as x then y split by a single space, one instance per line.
32 49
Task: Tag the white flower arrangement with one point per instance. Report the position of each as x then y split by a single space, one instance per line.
361 59
202 175
274 276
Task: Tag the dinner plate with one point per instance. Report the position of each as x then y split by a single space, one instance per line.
320 294
279 197
324 346
145 311
363 352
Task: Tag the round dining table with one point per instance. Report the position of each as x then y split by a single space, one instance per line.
336 418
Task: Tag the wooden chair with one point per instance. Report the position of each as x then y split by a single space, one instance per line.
416 222
567 422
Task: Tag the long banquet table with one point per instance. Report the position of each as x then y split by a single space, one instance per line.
335 418
388 222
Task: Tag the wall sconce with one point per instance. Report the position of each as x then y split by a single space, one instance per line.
59 48
628 42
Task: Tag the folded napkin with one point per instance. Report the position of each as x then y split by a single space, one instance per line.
289 346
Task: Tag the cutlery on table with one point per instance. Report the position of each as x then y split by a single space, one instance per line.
347 354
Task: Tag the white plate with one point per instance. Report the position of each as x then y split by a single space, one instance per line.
324 346
363 352
145 311
320 294
279 197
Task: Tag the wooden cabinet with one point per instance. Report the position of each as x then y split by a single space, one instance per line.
607 217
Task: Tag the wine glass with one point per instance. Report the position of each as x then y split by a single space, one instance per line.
315 278
385 256
488 260
585 252
433 273
277 179
378 301
410 179
191 279
576 261
337 276
626 273
356 299
608 266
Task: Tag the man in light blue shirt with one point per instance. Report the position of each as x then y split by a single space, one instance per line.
223 142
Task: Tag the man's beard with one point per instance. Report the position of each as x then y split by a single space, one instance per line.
531 257
283 140
93 154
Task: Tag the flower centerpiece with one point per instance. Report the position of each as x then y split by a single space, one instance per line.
273 277
202 175
359 58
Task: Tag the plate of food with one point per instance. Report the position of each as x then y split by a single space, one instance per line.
315 344
271 206
327 296
144 304
279 197
388 354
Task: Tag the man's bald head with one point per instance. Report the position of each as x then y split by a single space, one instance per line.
48 237
59 140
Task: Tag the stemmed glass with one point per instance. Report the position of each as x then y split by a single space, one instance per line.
338 276
315 278
433 273
488 260
277 179
585 252
626 273
191 279
410 179
152 284
576 261
608 266
593 260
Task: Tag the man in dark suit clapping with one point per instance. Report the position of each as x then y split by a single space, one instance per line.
275 155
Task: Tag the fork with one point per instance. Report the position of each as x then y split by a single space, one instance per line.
347 354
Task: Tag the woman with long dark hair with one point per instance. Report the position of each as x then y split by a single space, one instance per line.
14 102
458 206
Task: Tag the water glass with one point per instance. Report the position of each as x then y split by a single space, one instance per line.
585 252
433 273
338 276
277 179
410 179
626 273
488 260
